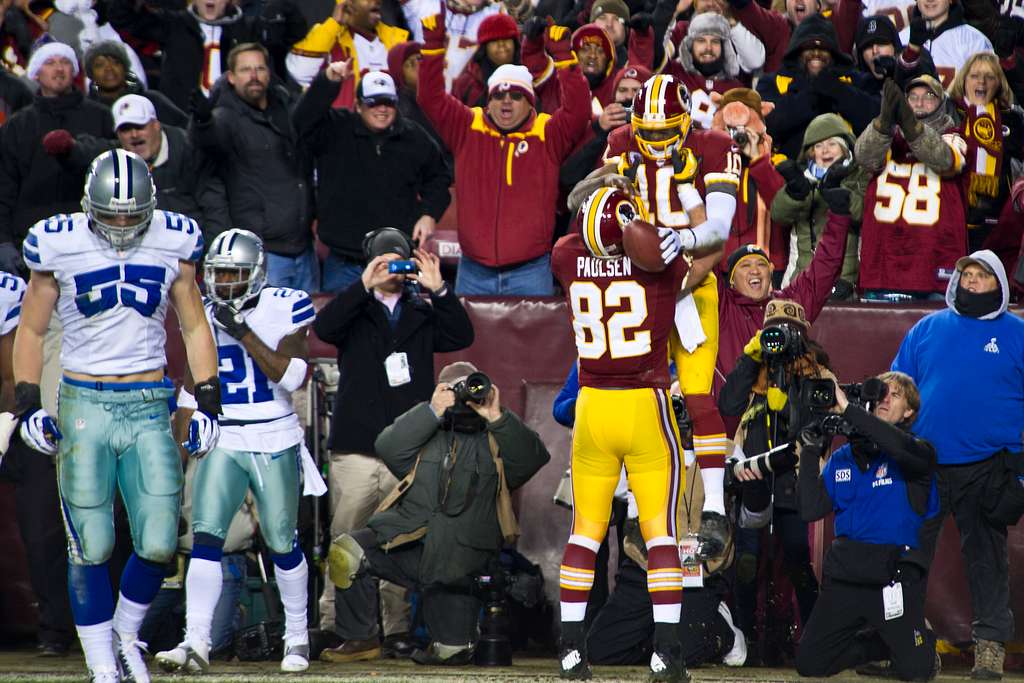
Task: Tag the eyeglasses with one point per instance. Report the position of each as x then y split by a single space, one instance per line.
508 94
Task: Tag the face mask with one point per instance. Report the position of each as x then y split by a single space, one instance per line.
976 305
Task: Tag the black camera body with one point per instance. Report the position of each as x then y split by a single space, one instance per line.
474 388
819 397
782 343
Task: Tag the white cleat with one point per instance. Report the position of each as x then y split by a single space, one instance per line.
104 676
296 656
131 666
737 656
187 658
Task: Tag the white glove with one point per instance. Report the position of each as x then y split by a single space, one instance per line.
671 244
39 431
203 432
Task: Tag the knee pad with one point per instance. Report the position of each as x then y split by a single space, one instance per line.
344 560
157 539
93 541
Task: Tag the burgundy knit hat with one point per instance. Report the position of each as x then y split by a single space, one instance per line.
396 58
497 27
637 73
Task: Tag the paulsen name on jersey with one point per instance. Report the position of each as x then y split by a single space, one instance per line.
589 266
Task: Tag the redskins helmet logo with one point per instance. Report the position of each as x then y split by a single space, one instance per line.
625 213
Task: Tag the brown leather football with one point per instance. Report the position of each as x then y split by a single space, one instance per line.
643 246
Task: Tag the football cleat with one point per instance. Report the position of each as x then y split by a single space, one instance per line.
191 658
667 666
572 653
296 656
130 664
104 676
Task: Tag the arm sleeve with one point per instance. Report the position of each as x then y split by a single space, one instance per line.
521 450
564 407
916 457
770 27
905 360
871 149
750 50
934 152
400 442
568 124
333 320
453 330
812 287
313 115
449 117
787 210
815 502
435 178
845 16
584 160
215 136
144 23
641 47
735 394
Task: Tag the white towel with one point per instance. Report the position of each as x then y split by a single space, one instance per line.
687 319
313 483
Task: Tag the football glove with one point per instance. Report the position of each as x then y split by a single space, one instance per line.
671 244
39 431
203 432
231 321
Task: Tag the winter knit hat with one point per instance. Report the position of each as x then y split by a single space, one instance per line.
107 48
616 7
48 50
497 27
514 78
637 73
876 30
592 33
744 252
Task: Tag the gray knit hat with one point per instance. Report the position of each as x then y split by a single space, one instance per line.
113 49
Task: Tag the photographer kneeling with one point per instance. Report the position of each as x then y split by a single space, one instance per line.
881 485
457 457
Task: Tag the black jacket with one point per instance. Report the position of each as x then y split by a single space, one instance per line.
799 98
267 176
356 323
34 185
366 180
280 26
463 533
14 95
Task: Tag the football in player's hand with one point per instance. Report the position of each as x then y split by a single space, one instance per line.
642 244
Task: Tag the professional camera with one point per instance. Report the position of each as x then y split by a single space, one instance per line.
776 460
782 343
494 647
740 136
683 419
474 388
819 397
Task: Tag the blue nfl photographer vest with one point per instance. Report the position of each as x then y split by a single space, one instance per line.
872 506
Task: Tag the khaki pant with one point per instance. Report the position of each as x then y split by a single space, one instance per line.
358 483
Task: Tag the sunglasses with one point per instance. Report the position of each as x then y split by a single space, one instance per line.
508 94
379 102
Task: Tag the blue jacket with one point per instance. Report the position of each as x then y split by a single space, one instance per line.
564 407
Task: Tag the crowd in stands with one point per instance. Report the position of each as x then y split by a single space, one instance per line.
287 141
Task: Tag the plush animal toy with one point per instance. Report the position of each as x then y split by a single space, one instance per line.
740 112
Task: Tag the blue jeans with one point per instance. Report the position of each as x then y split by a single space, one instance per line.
532 278
339 273
298 272
227 618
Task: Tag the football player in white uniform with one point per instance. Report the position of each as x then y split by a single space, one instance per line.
110 272
260 334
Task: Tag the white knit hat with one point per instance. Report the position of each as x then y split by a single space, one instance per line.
48 50
513 77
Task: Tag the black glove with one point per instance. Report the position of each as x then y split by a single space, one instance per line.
919 32
827 84
838 200
908 121
634 166
230 320
641 21
812 436
200 106
885 65
11 260
534 27
836 174
891 98
797 184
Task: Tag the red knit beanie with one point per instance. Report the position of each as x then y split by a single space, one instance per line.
497 27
